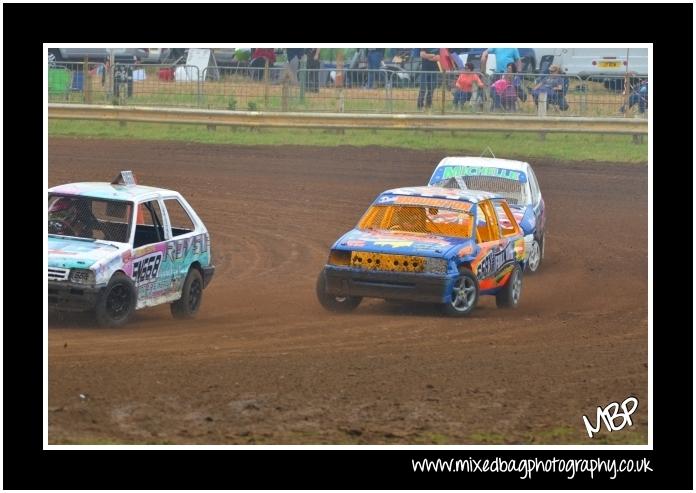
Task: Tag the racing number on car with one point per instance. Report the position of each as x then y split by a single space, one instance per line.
145 269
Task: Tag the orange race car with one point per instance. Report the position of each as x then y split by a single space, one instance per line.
428 244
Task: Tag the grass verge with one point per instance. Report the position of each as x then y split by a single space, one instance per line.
565 147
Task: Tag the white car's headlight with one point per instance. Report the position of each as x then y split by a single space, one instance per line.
435 266
82 276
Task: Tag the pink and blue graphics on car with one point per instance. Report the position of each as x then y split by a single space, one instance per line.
117 247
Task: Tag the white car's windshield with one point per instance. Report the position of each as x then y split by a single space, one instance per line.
89 217
515 191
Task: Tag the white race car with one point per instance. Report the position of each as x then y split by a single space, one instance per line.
117 247
513 180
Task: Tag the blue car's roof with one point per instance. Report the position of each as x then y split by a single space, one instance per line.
471 196
104 190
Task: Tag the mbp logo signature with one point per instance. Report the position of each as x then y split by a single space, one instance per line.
610 414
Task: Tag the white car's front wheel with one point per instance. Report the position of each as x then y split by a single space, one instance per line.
117 302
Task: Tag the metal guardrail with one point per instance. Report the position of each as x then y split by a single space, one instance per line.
506 123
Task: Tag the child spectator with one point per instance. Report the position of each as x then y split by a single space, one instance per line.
504 93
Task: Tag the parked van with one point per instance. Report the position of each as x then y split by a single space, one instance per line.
121 55
591 62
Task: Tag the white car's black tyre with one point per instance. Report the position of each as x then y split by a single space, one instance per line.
340 304
117 302
191 296
509 296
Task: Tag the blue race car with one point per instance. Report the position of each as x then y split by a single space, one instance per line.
427 244
514 180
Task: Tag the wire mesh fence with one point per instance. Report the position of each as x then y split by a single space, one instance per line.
87 217
328 89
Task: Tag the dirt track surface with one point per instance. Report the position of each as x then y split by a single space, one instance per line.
264 363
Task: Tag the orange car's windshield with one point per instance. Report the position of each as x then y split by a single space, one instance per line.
418 219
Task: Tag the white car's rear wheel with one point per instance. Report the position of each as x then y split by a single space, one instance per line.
191 296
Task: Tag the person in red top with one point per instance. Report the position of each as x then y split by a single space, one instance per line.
267 53
259 56
464 85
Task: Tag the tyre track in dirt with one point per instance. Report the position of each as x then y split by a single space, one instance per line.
264 363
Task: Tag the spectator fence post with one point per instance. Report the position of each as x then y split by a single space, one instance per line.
199 98
627 92
302 73
444 88
389 91
339 68
109 75
541 109
341 100
86 83
284 92
265 84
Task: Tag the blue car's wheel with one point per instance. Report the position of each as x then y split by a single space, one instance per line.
509 296
335 303
464 295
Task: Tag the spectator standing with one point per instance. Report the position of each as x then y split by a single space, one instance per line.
464 85
123 74
259 58
503 56
313 65
294 56
428 77
374 60
267 53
